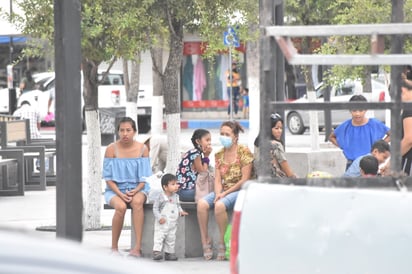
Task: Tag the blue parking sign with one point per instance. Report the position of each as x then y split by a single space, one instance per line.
230 38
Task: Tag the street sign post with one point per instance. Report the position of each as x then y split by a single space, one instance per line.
230 39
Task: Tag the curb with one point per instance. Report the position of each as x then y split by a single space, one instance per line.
207 124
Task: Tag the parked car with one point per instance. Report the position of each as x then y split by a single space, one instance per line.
43 82
112 94
297 121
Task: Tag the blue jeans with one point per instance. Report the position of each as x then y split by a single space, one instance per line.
186 195
235 99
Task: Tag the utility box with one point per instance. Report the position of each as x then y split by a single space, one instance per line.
109 119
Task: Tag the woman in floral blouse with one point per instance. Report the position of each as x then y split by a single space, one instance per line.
233 167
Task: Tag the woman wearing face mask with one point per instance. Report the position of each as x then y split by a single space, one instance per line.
233 167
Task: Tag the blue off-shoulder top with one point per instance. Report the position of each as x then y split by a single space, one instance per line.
127 172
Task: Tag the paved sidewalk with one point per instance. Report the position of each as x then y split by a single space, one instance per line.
37 209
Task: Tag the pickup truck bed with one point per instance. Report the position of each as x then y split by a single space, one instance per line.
308 229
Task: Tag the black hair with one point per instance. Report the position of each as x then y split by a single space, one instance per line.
166 179
198 134
369 164
127 120
381 146
358 98
274 119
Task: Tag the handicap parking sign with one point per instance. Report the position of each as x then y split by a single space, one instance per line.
230 38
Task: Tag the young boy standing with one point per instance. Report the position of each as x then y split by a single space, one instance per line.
356 136
166 210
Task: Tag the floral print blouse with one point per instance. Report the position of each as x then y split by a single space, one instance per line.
231 173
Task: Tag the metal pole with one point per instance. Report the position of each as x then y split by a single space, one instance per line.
69 202
396 48
10 78
267 87
11 37
231 84
279 68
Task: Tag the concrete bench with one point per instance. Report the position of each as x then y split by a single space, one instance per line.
13 133
11 173
188 243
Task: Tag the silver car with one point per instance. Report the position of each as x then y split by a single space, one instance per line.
297 121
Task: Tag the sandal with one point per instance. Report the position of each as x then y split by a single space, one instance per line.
221 253
207 251
135 255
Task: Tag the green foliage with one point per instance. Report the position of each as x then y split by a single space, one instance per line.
109 28
309 12
313 12
210 19
354 12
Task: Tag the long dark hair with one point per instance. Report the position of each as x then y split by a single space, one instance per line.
198 134
274 119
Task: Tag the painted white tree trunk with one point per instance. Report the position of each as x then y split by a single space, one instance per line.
173 139
157 115
131 111
313 123
93 188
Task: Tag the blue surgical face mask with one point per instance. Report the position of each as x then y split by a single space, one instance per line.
225 141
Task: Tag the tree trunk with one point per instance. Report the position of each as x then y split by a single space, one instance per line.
125 65
157 106
94 174
252 54
290 81
93 195
133 93
367 87
172 96
90 94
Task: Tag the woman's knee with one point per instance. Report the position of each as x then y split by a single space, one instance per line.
220 208
202 206
120 209
138 201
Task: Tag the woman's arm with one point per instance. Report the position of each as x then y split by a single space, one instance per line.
287 169
218 181
246 174
109 153
406 142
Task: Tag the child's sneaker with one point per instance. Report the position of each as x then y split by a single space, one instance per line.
170 257
157 255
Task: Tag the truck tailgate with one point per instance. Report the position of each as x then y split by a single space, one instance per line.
302 229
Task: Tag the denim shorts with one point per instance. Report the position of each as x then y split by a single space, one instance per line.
229 200
109 194
186 195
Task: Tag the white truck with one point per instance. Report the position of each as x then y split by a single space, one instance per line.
360 225
112 95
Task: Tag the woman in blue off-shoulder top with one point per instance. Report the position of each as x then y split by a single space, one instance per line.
126 166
